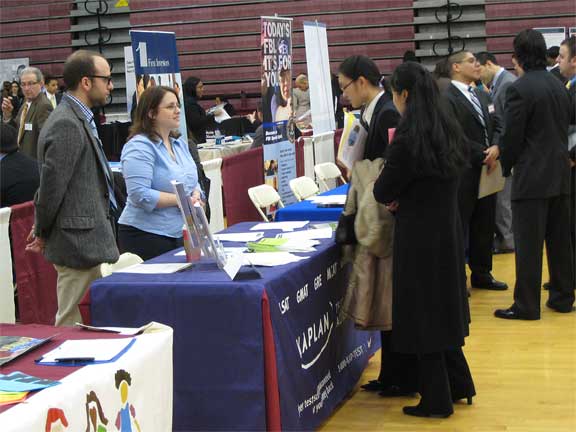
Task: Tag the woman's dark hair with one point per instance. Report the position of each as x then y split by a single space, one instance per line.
358 66
150 100
20 94
434 136
385 84
189 86
530 50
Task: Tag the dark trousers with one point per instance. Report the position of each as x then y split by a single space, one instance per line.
478 224
144 244
444 377
397 369
536 221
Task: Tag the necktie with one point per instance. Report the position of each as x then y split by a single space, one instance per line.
104 163
53 100
478 108
22 121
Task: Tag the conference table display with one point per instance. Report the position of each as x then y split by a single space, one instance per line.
309 210
266 352
131 391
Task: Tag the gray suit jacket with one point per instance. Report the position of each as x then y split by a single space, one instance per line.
499 97
39 110
72 203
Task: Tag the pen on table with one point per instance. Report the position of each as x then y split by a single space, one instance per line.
74 359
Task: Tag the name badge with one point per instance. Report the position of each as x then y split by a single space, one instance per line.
491 109
28 126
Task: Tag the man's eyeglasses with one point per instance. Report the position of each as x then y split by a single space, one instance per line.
108 79
347 85
470 60
28 84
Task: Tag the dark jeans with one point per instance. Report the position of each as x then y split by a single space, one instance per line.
144 244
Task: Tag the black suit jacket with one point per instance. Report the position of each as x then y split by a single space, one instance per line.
536 143
384 117
197 120
19 179
470 121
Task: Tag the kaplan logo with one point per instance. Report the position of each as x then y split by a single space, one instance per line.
314 340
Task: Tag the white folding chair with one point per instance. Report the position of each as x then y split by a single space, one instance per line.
328 171
126 260
7 307
264 196
303 187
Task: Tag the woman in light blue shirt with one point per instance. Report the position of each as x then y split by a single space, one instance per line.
151 223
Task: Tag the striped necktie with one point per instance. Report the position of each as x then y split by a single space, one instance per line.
478 108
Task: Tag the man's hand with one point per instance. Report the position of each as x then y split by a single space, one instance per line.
37 245
7 108
492 153
251 117
393 206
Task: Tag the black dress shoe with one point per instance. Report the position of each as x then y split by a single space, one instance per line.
501 251
418 411
373 386
546 286
511 314
396 391
560 309
487 282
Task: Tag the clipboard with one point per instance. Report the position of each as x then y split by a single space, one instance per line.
491 183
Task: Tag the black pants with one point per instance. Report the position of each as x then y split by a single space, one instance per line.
478 224
444 377
536 221
397 369
144 244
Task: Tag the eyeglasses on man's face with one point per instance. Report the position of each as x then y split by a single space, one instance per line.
107 79
27 84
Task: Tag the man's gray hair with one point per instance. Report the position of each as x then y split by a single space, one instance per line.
35 71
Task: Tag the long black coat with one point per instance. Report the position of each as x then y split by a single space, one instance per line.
430 304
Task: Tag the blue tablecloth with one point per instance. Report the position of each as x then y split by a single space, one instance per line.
219 347
306 210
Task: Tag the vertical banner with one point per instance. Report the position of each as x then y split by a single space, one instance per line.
276 83
130 79
156 63
318 61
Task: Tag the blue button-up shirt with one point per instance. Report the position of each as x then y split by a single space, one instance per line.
148 170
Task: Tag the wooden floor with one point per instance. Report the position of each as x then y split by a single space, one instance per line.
524 371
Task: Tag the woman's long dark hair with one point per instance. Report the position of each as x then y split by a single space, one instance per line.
189 86
150 100
427 125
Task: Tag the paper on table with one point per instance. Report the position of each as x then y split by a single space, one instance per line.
491 183
284 226
329 199
311 234
98 349
271 259
226 249
127 331
239 237
155 268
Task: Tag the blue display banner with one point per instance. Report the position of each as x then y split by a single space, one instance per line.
156 64
278 125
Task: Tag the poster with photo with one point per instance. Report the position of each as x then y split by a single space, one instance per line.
155 59
276 82
10 69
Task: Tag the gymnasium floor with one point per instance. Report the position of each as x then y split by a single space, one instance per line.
524 371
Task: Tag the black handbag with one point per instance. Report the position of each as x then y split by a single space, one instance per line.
345 234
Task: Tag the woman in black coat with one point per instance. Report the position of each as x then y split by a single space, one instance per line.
430 313
359 80
196 118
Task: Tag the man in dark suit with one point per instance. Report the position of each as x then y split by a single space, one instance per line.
537 149
19 176
75 202
51 87
481 125
552 62
497 79
32 114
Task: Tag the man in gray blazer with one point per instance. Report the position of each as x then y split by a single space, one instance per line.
498 80
74 203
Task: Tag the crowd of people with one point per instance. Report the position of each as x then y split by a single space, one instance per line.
470 118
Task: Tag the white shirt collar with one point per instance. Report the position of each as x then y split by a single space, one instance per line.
463 88
369 111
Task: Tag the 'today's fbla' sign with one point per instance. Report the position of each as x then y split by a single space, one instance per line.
154 52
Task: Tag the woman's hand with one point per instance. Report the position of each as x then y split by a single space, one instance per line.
197 198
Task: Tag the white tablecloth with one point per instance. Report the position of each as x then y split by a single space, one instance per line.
149 393
221 150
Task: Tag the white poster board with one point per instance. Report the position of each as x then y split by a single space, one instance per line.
553 35
130 77
572 31
10 69
319 79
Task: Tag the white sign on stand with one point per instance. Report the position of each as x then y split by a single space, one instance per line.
319 78
553 35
